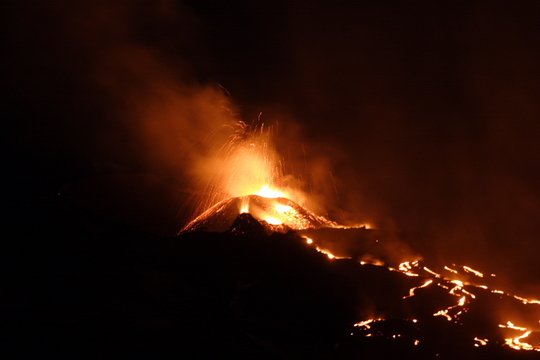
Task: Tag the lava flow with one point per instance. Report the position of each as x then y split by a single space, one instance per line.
250 182
468 294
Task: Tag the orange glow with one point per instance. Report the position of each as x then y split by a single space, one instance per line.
330 256
372 261
527 301
273 221
366 323
444 312
244 206
510 325
246 167
516 343
457 288
411 291
475 272
432 272
247 163
480 342
269 193
283 208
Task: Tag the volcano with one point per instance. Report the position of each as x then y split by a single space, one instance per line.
276 214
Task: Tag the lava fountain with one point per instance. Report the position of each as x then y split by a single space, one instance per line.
247 177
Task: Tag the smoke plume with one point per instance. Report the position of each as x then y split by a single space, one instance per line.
418 118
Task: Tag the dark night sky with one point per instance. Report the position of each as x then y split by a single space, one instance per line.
426 113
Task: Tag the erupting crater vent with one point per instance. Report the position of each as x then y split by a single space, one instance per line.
274 213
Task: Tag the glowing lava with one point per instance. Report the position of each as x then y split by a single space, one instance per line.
275 214
272 220
467 292
516 343
269 193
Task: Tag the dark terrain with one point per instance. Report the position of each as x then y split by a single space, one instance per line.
81 285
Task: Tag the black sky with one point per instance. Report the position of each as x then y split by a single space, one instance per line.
425 114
